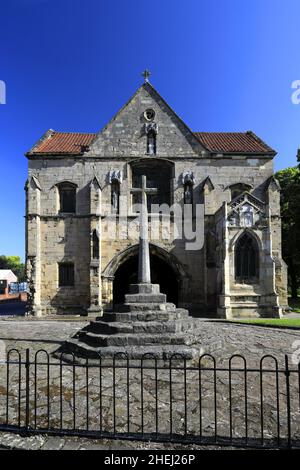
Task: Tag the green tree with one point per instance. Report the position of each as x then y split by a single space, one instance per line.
14 263
289 180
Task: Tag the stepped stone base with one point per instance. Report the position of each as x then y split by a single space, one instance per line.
146 323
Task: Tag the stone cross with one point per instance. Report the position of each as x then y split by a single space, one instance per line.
144 276
146 74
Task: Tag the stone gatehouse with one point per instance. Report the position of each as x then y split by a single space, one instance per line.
82 229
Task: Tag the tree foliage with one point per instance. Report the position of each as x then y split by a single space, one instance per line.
14 263
289 180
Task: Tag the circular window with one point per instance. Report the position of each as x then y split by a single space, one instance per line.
149 114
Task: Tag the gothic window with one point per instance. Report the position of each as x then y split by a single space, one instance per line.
151 143
115 196
246 259
159 175
67 198
95 245
66 274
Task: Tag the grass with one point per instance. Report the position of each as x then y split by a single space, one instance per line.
280 322
290 322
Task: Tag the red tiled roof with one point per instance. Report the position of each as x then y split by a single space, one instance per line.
233 142
62 143
75 143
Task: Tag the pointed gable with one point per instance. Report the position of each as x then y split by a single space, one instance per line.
249 199
95 183
273 183
208 184
32 183
126 133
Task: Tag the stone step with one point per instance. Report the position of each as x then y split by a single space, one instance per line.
144 289
144 306
145 298
164 352
146 315
131 339
110 328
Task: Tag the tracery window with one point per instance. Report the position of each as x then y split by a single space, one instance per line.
246 259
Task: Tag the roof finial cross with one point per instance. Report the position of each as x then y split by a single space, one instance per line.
146 74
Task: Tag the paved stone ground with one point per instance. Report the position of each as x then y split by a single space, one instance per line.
220 339
9 441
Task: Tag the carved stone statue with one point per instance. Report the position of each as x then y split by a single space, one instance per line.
115 198
115 178
151 144
233 219
151 128
188 178
246 216
188 194
115 175
188 181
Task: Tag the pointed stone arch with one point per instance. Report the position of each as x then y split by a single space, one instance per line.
234 240
161 258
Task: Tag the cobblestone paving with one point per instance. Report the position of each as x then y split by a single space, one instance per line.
220 339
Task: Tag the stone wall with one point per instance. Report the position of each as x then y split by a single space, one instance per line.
206 280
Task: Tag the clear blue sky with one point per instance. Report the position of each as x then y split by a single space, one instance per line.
69 65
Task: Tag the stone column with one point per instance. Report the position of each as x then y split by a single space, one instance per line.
33 244
270 297
224 309
280 282
95 308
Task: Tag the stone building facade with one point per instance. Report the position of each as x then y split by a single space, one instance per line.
82 228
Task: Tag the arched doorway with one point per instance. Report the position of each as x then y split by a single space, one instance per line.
162 273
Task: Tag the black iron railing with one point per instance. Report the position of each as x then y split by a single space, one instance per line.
175 400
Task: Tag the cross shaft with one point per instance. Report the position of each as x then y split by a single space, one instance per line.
144 276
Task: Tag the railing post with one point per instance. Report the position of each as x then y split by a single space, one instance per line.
288 399
27 392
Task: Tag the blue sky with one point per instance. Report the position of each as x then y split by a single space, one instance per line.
69 65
